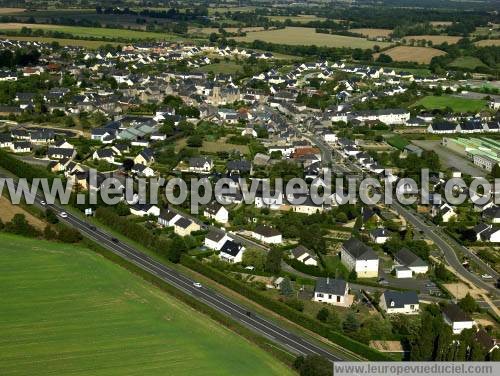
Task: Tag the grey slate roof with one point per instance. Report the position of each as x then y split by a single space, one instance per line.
231 248
408 258
330 286
359 250
400 298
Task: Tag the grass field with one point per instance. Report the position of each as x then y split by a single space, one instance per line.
308 36
372 33
301 18
92 32
9 210
67 311
5 11
422 55
455 103
468 62
435 39
217 146
488 42
398 142
223 67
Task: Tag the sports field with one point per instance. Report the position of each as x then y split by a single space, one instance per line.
92 32
308 36
457 104
67 311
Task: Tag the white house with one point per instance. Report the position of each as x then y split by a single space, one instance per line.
457 319
200 164
215 240
411 261
142 170
405 302
332 291
145 209
267 234
402 272
357 256
379 235
217 212
302 254
232 252
167 218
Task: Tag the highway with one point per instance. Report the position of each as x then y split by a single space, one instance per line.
293 342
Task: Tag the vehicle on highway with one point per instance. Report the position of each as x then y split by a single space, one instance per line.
430 284
63 215
43 203
248 313
92 227
382 281
115 240
197 284
486 276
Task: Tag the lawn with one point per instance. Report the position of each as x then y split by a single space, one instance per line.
92 32
457 104
398 142
308 36
218 146
225 67
66 310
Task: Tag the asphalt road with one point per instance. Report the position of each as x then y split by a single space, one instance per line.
443 242
295 343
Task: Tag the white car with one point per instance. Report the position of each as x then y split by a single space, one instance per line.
63 215
43 203
486 276
197 284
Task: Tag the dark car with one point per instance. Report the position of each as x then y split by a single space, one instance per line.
115 240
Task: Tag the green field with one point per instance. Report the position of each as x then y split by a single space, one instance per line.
398 142
225 67
91 32
308 36
66 310
467 62
457 104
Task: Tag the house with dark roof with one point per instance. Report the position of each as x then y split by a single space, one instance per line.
357 256
408 259
488 343
403 302
60 153
200 164
184 226
304 255
143 210
379 235
239 166
332 291
267 234
145 157
232 252
217 212
167 218
216 239
456 318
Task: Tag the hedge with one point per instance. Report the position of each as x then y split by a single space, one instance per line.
23 169
283 310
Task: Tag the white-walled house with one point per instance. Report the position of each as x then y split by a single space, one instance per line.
411 261
267 235
379 235
232 252
357 256
217 212
405 302
167 218
215 240
457 319
302 254
142 210
332 291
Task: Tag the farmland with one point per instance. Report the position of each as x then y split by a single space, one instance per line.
308 36
91 32
422 55
372 33
223 67
488 42
66 310
457 104
435 39
468 62
301 18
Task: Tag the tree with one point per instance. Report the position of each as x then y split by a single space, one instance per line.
195 141
286 287
496 171
273 261
20 226
49 233
468 304
69 235
51 217
351 324
384 58
323 314
128 164
255 258
313 365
